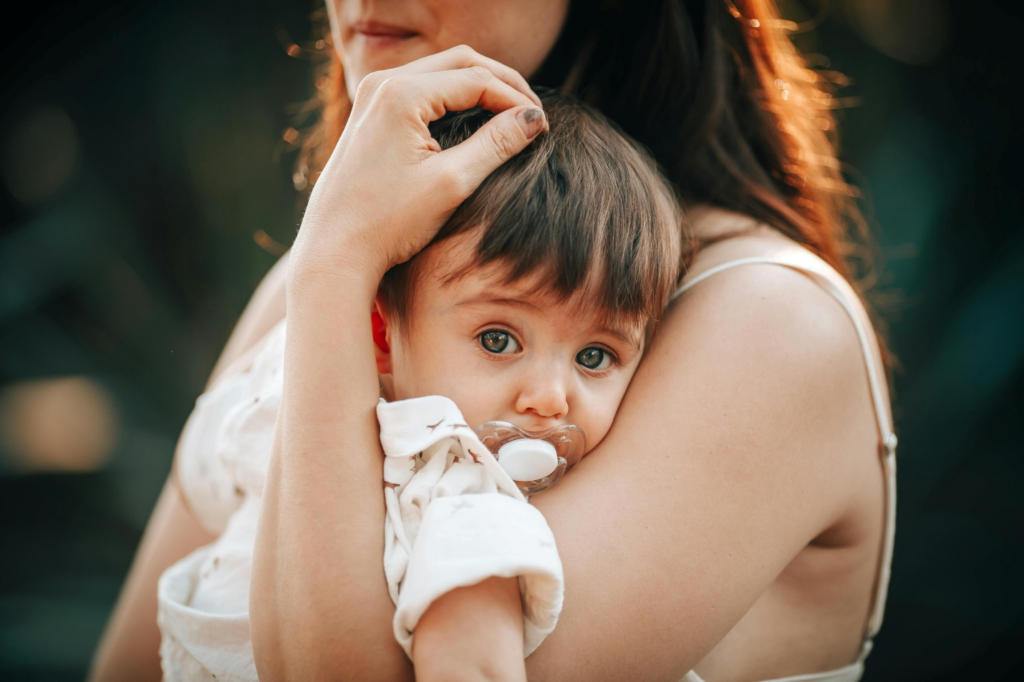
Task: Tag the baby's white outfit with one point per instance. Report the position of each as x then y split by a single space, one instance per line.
454 518
451 521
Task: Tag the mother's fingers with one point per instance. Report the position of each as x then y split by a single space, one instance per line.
461 57
464 57
501 138
434 93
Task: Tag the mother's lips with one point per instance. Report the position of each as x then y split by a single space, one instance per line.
374 29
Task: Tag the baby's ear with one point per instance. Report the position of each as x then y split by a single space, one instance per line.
381 337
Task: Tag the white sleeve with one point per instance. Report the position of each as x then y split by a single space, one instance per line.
455 518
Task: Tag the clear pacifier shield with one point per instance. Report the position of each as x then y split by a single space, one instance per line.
535 460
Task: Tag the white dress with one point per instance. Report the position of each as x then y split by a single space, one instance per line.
203 600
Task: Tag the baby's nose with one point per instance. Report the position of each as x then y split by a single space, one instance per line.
545 397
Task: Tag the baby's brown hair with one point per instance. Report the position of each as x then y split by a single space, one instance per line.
582 207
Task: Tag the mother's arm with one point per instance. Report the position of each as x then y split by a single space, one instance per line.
728 456
319 607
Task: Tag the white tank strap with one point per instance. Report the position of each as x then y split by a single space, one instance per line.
887 437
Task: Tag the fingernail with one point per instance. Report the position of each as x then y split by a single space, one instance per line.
532 122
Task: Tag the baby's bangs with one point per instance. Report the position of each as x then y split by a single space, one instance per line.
581 210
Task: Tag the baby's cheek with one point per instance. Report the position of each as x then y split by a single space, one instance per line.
604 405
476 405
596 425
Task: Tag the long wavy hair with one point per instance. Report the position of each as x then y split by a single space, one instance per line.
719 94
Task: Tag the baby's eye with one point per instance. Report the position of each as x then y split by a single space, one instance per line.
497 341
594 358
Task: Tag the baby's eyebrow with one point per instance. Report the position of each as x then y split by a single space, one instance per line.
485 299
630 337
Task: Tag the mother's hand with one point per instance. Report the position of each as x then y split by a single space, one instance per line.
388 187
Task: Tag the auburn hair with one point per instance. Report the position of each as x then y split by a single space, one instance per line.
719 94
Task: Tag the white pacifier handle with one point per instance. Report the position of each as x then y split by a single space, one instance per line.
528 459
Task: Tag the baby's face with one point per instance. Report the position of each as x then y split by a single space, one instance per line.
506 352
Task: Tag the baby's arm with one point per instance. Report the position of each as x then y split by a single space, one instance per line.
486 620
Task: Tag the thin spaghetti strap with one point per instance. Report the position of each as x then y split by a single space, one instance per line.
887 437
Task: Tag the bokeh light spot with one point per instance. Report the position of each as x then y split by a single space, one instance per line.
65 424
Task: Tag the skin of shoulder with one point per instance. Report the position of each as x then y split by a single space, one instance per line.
746 435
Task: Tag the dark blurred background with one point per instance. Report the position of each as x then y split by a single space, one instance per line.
146 186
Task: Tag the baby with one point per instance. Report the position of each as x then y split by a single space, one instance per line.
532 306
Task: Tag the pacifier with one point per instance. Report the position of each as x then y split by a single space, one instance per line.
535 460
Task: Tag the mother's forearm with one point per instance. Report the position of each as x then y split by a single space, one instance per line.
319 602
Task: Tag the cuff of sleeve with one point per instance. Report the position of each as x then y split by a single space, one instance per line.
466 539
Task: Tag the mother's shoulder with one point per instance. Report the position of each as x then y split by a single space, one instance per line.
774 276
808 284
800 320
758 368
769 355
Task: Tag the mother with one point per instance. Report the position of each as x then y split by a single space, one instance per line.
735 520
